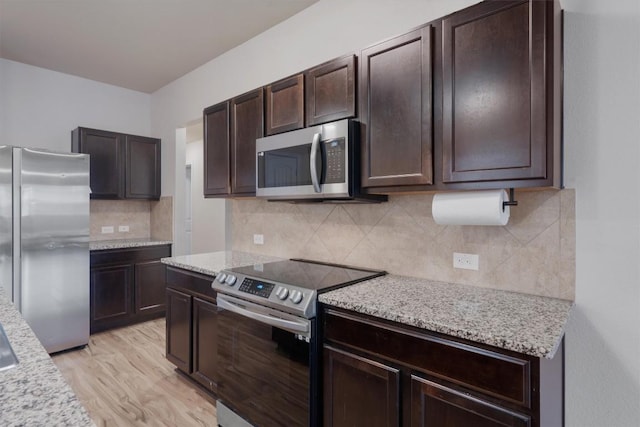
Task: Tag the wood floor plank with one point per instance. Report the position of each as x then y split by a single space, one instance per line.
123 379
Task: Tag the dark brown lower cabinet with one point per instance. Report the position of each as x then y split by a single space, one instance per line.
179 329
127 286
150 287
192 326
382 373
359 391
110 295
436 405
204 347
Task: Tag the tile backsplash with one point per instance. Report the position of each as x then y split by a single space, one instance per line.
145 218
134 213
162 218
534 253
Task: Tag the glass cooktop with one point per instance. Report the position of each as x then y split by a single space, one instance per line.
308 274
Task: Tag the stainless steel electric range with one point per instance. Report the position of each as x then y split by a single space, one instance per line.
268 347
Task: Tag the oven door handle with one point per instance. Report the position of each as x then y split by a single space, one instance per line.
290 325
315 146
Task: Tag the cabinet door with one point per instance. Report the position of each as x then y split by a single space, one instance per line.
106 151
396 111
494 94
216 150
330 91
150 296
247 124
435 405
205 341
285 105
359 391
142 173
111 296
179 329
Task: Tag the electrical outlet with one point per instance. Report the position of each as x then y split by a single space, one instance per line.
123 228
107 230
466 261
258 239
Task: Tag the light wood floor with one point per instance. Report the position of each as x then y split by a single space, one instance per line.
123 379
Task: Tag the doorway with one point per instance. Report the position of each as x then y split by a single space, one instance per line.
188 214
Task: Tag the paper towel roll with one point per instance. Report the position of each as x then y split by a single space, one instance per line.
471 208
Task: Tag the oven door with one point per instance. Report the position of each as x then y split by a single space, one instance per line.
264 361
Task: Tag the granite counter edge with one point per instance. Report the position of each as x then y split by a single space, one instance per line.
523 347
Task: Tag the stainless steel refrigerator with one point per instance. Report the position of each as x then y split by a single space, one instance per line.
44 242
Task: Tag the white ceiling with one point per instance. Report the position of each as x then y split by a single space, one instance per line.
136 44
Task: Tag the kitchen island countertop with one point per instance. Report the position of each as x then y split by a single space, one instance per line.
211 263
98 245
34 393
527 324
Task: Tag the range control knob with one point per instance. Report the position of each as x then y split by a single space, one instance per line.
282 293
221 277
296 297
231 280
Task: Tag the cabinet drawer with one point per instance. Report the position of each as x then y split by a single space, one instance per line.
490 372
128 255
434 404
191 282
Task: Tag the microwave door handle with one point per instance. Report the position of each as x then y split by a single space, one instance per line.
315 178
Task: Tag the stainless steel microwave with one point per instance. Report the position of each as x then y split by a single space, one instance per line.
319 163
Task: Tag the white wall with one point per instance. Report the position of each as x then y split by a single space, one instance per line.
602 147
207 215
40 108
602 136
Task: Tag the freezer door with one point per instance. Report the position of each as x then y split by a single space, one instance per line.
6 222
54 255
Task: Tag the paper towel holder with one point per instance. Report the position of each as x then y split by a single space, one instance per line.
511 202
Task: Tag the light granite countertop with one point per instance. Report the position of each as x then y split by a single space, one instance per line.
212 262
34 393
523 323
98 245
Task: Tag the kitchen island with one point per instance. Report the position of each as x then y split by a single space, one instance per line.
34 393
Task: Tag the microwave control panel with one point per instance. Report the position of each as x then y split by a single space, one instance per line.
335 161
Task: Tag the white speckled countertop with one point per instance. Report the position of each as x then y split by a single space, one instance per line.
34 393
524 323
98 245
212 262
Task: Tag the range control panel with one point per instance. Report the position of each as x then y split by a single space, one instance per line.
255 287
282 296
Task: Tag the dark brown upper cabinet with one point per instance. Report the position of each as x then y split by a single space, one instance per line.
121 166
142 173
106 166
285 105
501 76
230 132
330 91
396 111
247 124
216 150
